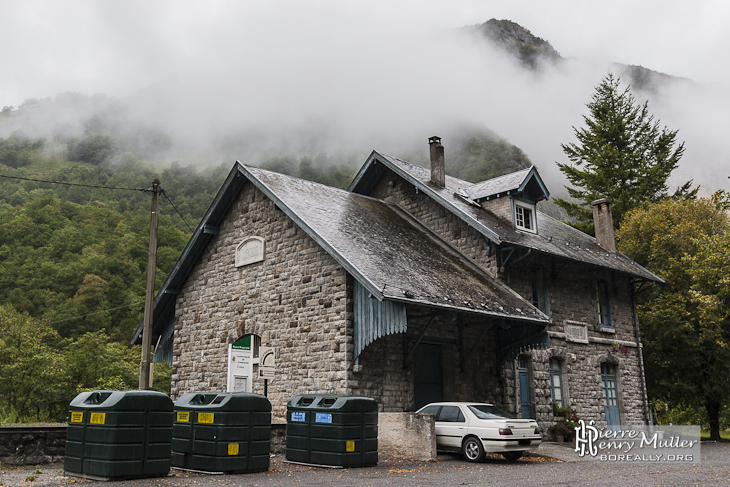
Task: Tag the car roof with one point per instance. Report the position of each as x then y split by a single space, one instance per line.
453 403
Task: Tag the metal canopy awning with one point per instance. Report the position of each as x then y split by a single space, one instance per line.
375 319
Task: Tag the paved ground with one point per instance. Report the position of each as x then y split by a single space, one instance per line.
558 466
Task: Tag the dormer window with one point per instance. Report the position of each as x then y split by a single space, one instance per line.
525 216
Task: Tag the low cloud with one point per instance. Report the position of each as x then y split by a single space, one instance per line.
252 80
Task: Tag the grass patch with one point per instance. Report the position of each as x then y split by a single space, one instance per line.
724 435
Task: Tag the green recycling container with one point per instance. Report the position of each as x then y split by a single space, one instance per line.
332 430
227 432
115 435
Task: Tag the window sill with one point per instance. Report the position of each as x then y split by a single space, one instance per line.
526 230
605 329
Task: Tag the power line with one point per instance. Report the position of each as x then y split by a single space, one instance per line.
95 313
71 184
174 208
144 190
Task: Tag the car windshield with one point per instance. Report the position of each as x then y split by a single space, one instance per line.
487 411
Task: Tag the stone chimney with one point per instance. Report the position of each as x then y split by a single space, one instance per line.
603 222
438 166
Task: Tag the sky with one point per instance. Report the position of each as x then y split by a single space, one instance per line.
374 72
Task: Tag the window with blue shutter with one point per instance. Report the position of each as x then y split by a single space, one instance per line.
604 305
539 289
556 381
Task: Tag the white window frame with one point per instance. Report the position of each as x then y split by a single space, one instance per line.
519 205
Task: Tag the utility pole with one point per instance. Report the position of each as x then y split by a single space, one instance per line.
144 369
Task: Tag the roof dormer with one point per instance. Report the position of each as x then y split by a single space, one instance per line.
512 197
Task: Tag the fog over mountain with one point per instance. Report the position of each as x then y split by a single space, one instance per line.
330 80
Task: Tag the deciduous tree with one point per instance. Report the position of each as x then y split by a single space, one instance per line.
686 322
30 368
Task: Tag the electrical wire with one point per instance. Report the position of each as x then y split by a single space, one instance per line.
164 193
96 313
144 190
70 184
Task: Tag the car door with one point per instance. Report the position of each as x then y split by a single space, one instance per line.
450 426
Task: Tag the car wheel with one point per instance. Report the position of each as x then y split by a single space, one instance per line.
512 456
472 449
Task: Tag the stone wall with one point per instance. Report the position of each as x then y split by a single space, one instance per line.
295 300
502 207
571 292
572 300
408 436
394 189
20 445
299 301
386 375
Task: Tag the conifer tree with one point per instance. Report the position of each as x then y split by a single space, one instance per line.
621 154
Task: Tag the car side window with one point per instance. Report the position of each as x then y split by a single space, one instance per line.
430 410
451 414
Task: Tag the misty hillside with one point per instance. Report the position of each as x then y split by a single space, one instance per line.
534 52
102 130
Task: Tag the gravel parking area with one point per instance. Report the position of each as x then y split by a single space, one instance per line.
561 467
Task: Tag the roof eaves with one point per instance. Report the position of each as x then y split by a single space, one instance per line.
476 267
533 173
617 255
544 319
362 173
193 249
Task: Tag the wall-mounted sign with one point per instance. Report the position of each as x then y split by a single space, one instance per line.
240 365
267 364
252 249
576 331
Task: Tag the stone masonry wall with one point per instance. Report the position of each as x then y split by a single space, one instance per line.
32 445
502 207
385 375
394 189
296 300
572 300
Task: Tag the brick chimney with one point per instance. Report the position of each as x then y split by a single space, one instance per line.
438 166
603 222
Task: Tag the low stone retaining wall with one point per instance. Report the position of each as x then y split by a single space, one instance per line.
37 445
278 437
32 445
410 436
401 435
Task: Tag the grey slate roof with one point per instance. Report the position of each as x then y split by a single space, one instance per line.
554 237
390 253
495 186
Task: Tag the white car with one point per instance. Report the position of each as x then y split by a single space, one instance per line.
475 429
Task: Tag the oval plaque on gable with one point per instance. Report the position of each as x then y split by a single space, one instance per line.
252 249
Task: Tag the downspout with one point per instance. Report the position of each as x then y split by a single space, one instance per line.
640 356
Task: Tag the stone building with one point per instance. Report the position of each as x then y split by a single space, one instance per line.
409 287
